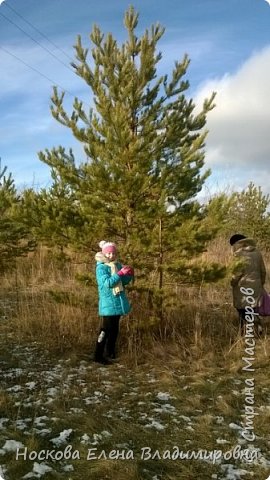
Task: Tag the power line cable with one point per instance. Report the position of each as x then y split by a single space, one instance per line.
36 41
37 71
30 66
37 30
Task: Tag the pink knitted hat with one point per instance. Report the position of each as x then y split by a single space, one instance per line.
107 247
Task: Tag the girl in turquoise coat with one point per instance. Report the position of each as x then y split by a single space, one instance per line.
111 279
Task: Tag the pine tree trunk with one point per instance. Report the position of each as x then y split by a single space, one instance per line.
160 282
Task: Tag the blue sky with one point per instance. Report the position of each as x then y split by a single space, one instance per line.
229 47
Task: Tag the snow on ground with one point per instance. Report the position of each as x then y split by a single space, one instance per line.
164 396
37 388
233 473
10 446
2 472
39 469
62 438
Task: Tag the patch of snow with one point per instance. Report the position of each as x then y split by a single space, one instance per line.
39 421
30 475
164 396
11 446
219 419
31 385
221 441
85 439
52 392
2 421
264 408
233 473
20 425
91 400
16 372
262 461
186 419
41 468
234 426
68 468
2 472
154 424
63 437
166 408
43 432
143 415
123 414
123 446
96 438
105 433
98 394
15 388
76 410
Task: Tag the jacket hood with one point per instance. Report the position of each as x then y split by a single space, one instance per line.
247 244
100 257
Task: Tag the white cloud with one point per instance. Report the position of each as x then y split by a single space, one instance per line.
239 124
239 140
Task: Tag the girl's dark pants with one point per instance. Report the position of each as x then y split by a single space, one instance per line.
107 337
242 319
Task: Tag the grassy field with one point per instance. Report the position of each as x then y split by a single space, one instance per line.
172 406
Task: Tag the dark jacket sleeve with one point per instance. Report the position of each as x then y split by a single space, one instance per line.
263 271
126 279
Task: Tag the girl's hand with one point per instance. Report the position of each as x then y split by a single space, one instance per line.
125 270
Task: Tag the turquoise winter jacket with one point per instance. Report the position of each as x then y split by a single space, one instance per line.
110 304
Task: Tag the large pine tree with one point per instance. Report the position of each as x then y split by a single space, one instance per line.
144 147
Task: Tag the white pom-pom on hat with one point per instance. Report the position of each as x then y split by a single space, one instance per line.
102 243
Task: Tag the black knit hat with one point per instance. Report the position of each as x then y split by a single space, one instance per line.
236 237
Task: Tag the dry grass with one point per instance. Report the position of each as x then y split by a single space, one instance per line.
195 356
46 302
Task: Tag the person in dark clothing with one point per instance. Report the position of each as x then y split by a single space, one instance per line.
111 279
249 277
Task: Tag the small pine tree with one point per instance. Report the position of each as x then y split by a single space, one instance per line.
52 214
15 239
249 214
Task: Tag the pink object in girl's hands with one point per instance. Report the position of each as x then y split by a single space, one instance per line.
125 270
